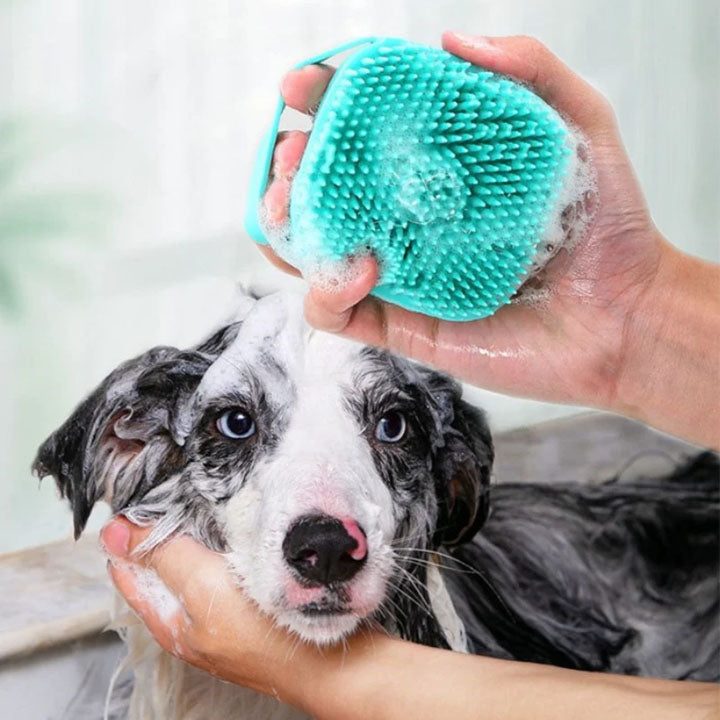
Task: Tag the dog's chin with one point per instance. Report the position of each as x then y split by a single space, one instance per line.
321 628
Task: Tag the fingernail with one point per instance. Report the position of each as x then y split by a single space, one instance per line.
477 42
115 538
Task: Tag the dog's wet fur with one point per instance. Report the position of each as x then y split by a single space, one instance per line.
619 577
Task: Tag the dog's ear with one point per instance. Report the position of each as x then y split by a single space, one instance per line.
463 465
125 437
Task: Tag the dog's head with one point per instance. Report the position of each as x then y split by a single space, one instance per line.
326 471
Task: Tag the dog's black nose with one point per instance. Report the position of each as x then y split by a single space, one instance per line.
324 550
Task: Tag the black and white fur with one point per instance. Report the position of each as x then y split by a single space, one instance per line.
616 577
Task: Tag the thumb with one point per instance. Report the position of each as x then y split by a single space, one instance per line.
331 309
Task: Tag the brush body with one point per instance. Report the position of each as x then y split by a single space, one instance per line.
452 176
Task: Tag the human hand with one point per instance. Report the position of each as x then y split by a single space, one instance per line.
573 346
203 617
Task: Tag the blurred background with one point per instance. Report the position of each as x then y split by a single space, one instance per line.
127 133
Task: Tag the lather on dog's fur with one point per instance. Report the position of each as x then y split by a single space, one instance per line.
344 483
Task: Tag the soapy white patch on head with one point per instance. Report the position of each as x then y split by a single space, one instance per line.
266 326
242 303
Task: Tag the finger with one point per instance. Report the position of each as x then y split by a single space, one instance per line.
277 261
276 203
330 309
167 628
528 60
183 565
286 160
288 152
303 88
115 536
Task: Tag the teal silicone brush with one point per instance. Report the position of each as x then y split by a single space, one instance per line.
452 176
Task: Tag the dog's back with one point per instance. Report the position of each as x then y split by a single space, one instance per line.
620 577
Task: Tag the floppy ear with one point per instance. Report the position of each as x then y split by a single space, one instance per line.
463 468
124 438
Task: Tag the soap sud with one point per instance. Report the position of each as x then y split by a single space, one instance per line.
533 295
575 206
279 238
275 232
334 276
428 188
328 275
269 315
569 222
152 590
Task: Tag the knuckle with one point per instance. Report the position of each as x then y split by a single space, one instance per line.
536 59
605 107
605 118
534 47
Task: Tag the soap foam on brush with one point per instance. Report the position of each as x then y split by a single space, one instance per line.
455 178
572 213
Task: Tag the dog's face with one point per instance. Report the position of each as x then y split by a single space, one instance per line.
324 469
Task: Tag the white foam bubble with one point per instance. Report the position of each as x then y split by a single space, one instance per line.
568 224
153 591
575 205
427 183
533 295
332 276
276 232
305 251
302 249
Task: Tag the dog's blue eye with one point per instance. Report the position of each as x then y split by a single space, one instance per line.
391 428
236 424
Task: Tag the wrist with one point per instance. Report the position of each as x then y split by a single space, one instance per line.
346 681
669 374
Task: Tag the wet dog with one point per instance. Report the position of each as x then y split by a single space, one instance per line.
345 484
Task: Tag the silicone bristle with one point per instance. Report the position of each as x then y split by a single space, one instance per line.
447 173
